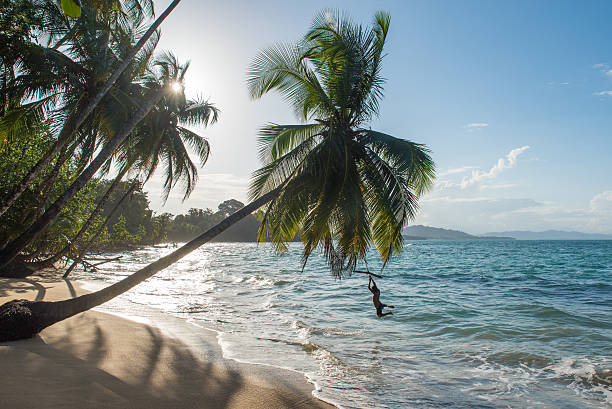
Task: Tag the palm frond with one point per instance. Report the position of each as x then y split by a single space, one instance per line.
197 112
407 157
277 140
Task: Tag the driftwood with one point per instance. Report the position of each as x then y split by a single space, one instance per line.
107 260
88 266
102 258
367 272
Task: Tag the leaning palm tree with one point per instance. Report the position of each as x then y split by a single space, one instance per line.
161 137
344 185
71 126
68 79
338 184
169 76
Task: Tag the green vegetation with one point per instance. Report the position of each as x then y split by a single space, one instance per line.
186 227
83 97
331 180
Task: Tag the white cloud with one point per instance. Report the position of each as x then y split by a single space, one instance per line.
601 204
500 186
471 214
462 169
486 214
508 162
601 65
604 93
596 218
477 125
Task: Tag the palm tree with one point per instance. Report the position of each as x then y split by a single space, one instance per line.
338 184
75 72
151 96
344 185
163 137
71 126
159 137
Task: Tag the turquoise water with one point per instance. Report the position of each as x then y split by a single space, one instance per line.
477 324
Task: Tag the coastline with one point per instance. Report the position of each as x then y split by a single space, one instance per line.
107 360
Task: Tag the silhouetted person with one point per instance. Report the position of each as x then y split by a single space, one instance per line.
376 299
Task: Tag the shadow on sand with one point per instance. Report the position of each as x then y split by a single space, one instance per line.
96 360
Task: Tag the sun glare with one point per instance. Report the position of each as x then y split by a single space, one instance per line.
176 86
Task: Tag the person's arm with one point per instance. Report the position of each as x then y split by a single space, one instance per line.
372 285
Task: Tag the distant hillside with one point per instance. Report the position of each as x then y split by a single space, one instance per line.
420 232
551 235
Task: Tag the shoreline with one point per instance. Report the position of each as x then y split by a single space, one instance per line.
89 360
312 384
166 322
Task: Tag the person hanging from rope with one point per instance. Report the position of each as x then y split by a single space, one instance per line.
376 299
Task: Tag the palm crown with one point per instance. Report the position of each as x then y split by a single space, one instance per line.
162 136
344 185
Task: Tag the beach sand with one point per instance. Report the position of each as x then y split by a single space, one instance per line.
99 360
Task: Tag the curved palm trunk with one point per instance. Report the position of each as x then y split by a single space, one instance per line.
77 238
13 248
48 184
83 251
20 319
70 128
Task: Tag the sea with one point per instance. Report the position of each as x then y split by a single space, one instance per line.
476 324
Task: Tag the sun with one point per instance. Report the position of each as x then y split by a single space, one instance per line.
176 86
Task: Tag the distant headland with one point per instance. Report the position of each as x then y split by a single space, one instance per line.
420 232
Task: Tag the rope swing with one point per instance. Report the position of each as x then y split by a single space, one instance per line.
367 271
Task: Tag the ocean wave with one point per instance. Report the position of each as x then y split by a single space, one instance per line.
518 359
586 372
302 327
585 376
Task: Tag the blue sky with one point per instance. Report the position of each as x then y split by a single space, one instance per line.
514 99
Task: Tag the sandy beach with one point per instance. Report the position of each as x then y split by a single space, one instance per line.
98 360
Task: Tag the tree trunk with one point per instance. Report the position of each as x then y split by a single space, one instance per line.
77 238
69 128
48 184
13 248
86 248
20 319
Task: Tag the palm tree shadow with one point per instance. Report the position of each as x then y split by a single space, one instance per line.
83 364
41 290
23 286
71 289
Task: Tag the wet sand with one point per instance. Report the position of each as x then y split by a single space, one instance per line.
99 360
